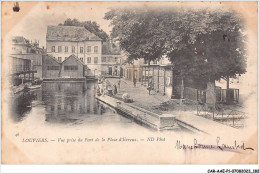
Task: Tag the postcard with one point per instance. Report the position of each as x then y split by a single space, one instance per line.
129 82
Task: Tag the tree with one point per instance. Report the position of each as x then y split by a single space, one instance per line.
91 26
211 45
201 43
213 51
138 32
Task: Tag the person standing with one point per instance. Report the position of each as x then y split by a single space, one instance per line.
149 87
115 89
119 83
134 80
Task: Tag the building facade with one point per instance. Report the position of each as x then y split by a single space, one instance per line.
64 41
22 48
111 60
51 68
72 67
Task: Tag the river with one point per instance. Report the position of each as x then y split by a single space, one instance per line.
66 103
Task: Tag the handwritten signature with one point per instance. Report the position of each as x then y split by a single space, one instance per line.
218 146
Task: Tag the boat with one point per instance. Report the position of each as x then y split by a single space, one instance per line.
27 88
34 86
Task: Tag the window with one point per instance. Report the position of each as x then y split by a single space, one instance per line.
108 59
115 59
104 59
67 68
53 68
95 59
53 49
95 49
66 49
59 49
89 49
89 59
81 50
81 59
59 59
73 49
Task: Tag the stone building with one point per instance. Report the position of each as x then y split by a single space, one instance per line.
72 67
111 60
63 41
51 68
22 48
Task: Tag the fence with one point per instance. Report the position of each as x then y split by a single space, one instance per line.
220 113
195 94
230 96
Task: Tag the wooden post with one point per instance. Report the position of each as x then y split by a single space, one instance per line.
164 77
142 71
145 76
228 92
182 88
153 77
148 73
172 95
158 78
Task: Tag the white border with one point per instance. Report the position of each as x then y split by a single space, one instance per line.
120 168
127 168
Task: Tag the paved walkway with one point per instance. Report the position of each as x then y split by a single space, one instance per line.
139 94
151 102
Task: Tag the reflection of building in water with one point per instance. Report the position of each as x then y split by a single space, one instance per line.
66 102
22 103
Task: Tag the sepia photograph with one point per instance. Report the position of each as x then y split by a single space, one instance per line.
129 82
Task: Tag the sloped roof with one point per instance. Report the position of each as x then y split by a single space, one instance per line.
19 40
74 57
53 58
69 33
110 49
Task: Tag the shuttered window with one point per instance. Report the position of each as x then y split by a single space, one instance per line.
70 68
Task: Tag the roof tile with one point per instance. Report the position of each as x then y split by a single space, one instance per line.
69 33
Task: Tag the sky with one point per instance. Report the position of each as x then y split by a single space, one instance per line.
34 25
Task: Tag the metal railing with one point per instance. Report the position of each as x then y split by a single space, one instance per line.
226 115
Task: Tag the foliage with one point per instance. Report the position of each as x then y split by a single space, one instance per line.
208 44
91 26
199 42
138 32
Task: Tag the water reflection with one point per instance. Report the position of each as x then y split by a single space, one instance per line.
22 104
65 102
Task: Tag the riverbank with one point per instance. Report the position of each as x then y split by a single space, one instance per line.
184 114
64 79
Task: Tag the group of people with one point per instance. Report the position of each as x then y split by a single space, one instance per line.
105 88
